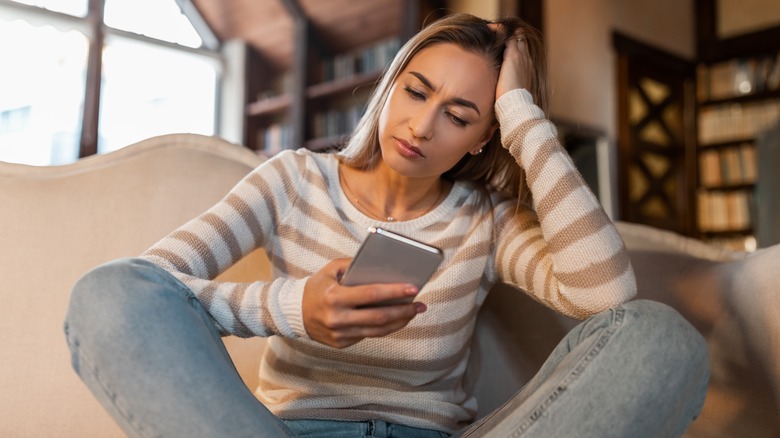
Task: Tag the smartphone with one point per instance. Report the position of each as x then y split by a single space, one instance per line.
387 257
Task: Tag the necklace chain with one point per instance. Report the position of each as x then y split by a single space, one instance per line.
386 217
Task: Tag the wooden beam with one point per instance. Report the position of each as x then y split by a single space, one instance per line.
532 11
299 69
634 48
410 20
711 47
91 115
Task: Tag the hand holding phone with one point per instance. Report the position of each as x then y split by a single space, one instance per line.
387 257
340 316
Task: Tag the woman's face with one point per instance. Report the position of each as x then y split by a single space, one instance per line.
439 109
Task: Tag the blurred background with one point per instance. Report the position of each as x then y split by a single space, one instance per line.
668 107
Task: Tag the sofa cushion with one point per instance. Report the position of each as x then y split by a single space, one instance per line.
58 222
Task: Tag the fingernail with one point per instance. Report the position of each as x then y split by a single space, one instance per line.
420 307
411 290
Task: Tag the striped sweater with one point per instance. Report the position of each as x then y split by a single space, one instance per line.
565 254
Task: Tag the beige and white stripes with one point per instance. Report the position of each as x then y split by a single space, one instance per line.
570 258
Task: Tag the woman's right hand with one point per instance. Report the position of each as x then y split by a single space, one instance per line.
334 314
518 67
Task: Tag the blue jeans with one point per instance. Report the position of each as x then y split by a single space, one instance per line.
151 355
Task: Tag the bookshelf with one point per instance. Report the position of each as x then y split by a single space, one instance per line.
738 99
316 98
333 98
737 102
340 91
692 137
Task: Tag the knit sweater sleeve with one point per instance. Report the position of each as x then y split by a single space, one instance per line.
241 222
567 253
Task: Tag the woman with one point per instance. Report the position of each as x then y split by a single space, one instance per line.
439 156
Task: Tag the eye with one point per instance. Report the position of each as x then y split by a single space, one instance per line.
414 94
457 120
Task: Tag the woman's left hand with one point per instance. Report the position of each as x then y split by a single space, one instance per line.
517 68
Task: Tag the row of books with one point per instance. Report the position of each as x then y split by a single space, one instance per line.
728 166
335 122
725 210
281 85
736 121
273 139
366 60
738 77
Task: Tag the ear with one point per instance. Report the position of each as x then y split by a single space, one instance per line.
477 149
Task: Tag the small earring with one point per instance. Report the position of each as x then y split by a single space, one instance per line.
477 152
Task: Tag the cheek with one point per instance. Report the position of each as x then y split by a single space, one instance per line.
460 141
453 147
386 115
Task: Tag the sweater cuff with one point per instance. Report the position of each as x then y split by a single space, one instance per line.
291 304
515 107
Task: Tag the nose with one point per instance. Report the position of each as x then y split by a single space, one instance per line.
421 123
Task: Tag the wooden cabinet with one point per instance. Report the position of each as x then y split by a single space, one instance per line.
655 163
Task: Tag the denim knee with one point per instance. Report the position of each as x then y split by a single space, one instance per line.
108 297
663 325
124 279
668 342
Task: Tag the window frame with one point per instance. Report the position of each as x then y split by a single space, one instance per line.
94 28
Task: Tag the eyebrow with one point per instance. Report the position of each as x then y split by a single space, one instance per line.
457 100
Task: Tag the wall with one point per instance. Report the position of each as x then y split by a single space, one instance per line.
737 17
487 9
581 57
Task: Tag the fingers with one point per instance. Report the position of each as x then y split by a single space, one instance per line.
360 307
368 295
345 327
517 68
351 335
381 317
518 38
374 321
518 41
357 296
337 267
337 315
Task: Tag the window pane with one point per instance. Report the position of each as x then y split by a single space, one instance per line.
149 90
78 8
41 93
161 19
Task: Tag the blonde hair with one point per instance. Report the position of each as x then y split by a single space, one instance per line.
495 166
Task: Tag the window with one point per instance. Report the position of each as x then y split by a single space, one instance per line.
41 96
153 18
150 90
77 8
15 120
156 77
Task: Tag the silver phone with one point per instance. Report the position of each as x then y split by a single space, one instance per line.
387 257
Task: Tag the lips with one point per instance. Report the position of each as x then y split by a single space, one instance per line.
408 150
